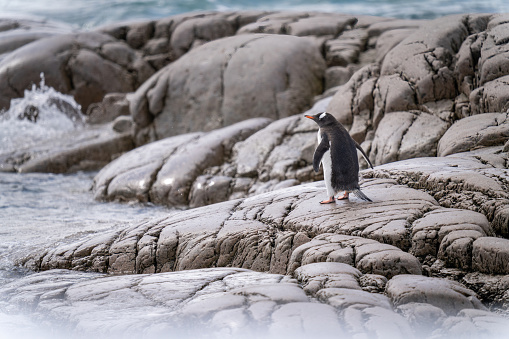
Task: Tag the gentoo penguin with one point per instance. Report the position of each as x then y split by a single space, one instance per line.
337 152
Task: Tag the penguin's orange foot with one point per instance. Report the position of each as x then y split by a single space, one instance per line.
330 201
344 196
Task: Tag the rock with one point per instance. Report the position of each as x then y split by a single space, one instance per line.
369 256
430 233
389 39
346 48
470 321
164 171
275 156
219 301
84 149
262 233
122 124
437 80
450 296
350 101
318 276
472 180
163 41
490 255
423 317
379 28
300 24
491 288
429 69
338 75
19 31
440 207
190 303
406 135
112 106
226 87
92 67
489 129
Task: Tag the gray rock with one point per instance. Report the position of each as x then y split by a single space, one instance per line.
173 101
338 75
300 24
112 106
389 39
346 48
489 129
490 255
263 232
164 171
468 321
472 180
450 296
318 276
369 256
92 68
19 31
84 149
491 288
406 135
219 301
425 57
379 28
275 156
122 124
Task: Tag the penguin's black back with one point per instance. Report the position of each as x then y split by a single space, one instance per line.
345 164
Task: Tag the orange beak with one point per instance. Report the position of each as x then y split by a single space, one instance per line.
310 117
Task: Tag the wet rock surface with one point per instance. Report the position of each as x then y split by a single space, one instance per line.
85 149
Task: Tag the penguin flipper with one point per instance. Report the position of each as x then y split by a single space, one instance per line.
323 147
361 195
363 154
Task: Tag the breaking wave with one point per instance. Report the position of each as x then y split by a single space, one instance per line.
43 113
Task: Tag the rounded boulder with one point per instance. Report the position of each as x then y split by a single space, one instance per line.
229 80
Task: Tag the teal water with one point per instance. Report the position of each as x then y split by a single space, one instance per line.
92 13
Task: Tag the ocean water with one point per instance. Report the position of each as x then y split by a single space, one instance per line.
92 13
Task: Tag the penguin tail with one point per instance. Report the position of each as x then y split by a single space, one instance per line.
361 195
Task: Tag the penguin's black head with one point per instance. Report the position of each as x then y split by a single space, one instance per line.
323 119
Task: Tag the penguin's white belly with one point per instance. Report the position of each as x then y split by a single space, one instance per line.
327 169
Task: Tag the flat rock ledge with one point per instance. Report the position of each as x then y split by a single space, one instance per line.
403 235
325 300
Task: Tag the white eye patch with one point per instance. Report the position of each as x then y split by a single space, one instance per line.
322 115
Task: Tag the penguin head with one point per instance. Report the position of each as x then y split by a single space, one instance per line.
323 119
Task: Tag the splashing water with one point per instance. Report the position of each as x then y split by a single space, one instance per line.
43 113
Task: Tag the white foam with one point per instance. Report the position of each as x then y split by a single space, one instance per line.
52 119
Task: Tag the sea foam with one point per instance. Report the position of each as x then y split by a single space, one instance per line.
43 113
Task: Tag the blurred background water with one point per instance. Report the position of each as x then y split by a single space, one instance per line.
86 14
